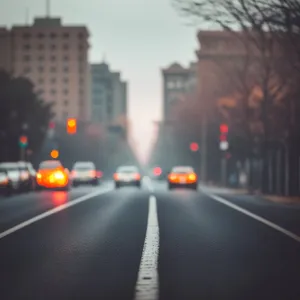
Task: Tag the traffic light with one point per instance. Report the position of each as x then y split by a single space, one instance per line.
23 141
224 145
194 147
71 126
54 154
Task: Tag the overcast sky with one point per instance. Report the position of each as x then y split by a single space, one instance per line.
138 37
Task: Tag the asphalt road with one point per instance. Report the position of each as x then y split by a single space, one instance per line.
88 244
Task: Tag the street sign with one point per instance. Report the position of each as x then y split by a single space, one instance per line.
23 141
224 145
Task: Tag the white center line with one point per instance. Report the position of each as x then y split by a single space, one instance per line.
51 212
147 285
256 217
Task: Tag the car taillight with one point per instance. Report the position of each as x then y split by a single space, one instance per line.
99 174
116 176
172 177
73 173
59 175
92 173
137 176
192 177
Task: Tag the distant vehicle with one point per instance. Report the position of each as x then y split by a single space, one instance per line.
52 175
14 175
183 176
85 172
6 188
127 176
28 176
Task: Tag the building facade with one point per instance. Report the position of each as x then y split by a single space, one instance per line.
108 96
55 58
177 82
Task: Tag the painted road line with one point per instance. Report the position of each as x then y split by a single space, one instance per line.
147 285
52 211
255 217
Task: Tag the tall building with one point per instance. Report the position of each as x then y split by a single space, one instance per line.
108 96
177 82
55 58
5 50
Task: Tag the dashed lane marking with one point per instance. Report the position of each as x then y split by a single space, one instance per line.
147 285
52 211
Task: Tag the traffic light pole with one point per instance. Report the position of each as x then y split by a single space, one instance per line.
203 148
22 153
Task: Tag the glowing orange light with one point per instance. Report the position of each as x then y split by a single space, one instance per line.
71 126
54 154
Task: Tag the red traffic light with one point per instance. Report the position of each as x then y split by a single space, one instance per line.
23 139
157 171
194 147
71 126
224 128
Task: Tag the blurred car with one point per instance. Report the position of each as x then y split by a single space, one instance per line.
183 176
5 183
13 174
85 172
127 176
28 176
52 175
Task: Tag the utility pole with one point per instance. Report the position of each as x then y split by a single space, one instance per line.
203 148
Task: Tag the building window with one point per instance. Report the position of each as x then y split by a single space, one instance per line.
66 102
26 47
80 35
171 84
66 57
53 35
53 69
41 81
66 35
41 58
66 69
53 80
66 80
81 92
65 47
53 92
53 47
53 58
41 69
41 35
66 92
41 47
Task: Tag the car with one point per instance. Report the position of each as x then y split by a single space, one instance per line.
14 175
183 176
52 175
85 172
6 188
28 176
127 176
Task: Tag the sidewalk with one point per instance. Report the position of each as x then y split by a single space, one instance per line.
229 191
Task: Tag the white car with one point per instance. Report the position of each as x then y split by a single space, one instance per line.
127 176
85 172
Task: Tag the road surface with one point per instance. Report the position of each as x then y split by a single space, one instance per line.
88 244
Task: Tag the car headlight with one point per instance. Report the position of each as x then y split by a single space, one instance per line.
59 175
